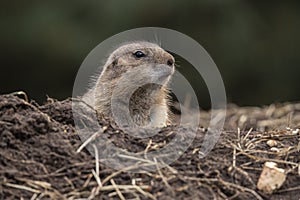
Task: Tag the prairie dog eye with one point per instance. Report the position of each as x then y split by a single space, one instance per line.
139 54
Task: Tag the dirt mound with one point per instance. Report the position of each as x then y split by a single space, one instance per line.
39 158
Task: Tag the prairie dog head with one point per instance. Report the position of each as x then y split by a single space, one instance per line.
138 74
133 55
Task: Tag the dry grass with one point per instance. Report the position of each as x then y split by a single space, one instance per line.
57 165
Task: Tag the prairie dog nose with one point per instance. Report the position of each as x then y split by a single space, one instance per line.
169 59
170 62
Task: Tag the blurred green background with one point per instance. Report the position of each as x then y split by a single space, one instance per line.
255 44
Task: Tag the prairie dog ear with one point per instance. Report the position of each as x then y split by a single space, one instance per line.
115 62
121 61
113 70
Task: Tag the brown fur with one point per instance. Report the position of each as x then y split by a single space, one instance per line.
123 71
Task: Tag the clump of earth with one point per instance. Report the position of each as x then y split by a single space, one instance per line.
40 158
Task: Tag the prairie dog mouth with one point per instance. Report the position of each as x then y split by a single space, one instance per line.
162 72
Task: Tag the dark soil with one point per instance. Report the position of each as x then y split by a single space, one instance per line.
39 159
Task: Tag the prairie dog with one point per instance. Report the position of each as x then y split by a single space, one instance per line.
134 80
